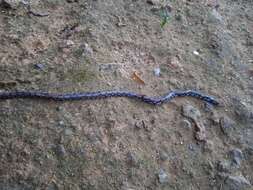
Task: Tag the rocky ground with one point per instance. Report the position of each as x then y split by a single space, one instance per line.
148 47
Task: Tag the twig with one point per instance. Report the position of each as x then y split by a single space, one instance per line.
37 14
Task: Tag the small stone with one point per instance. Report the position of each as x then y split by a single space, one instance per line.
61 123
195 52
227 125
68 132
59 108
163 155
194 114
236 156
236 183
51 186
209 146
82 152
153 2
208 107
157 72
215 118
191 112
155 8
179 17
249 150
185 124
77 128
60 150
126 186
215 17
39 66
174 63
69 43
224 166
162 176
10 3
212 3
243 111
153 119
132 159
191 147
140 125
109 67
87 49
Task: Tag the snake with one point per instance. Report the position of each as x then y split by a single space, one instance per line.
22 94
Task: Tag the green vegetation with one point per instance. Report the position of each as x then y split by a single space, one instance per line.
165 17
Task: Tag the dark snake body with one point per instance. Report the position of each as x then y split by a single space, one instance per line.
107 94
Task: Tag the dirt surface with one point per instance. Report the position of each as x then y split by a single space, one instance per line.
90 45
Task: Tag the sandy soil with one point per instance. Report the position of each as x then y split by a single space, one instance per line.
90 45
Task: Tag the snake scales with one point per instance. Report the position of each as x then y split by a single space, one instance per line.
106 94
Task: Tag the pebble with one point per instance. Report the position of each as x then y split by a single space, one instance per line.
248 152
39 66
51 186
10 3
191 112
194 114
87 49
109 67
175 63
157 72
185 124
60 150
69 43
227 125
236 183
140 124
153 2
213 3
59 108
162 176
236 156
224 166
132 159
82 152
191 147
208 107
215 118
163 155
126 186
209 146
195 52
68 132
61 123
215 17
243 111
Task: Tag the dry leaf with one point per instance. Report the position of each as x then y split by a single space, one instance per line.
137 78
